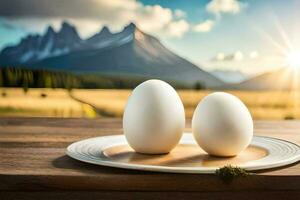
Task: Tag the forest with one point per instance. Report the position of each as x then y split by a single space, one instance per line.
40 78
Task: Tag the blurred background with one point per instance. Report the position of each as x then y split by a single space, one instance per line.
82 58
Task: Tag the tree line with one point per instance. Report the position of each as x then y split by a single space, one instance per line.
41 78
27 78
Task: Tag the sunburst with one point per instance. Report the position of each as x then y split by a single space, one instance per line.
293 60
287 51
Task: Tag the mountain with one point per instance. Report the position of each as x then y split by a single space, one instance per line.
37 47
229 76
129 52
282 79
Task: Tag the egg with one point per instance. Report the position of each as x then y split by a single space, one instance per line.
154 118
222 125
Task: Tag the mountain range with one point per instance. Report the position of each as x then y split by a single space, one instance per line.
130 52
284 78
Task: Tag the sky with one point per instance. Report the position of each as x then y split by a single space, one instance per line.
250 36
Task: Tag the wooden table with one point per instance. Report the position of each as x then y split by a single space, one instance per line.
33 165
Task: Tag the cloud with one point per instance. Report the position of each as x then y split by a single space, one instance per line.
179 13
219 57
176 29
218 7
236 56
90 15
158 20
34 24
5 24
205 26
253 54
232 57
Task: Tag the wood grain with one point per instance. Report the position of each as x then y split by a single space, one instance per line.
108 195
32 158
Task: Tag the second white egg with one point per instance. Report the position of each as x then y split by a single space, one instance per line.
222 124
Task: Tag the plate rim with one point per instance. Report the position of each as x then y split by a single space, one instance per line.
168 169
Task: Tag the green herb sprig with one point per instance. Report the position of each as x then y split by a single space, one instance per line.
229 172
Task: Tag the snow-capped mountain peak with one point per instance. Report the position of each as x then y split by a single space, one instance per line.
37 47
105 38
130 28
105 31
68 31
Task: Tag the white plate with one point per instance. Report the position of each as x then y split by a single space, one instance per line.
113 151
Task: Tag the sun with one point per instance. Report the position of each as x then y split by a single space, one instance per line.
293 59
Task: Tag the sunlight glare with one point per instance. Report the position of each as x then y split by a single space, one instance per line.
293 60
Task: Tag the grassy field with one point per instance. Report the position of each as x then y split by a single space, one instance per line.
262 105
110 103
42 103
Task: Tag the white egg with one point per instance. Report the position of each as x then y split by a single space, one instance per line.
222 124
154 118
